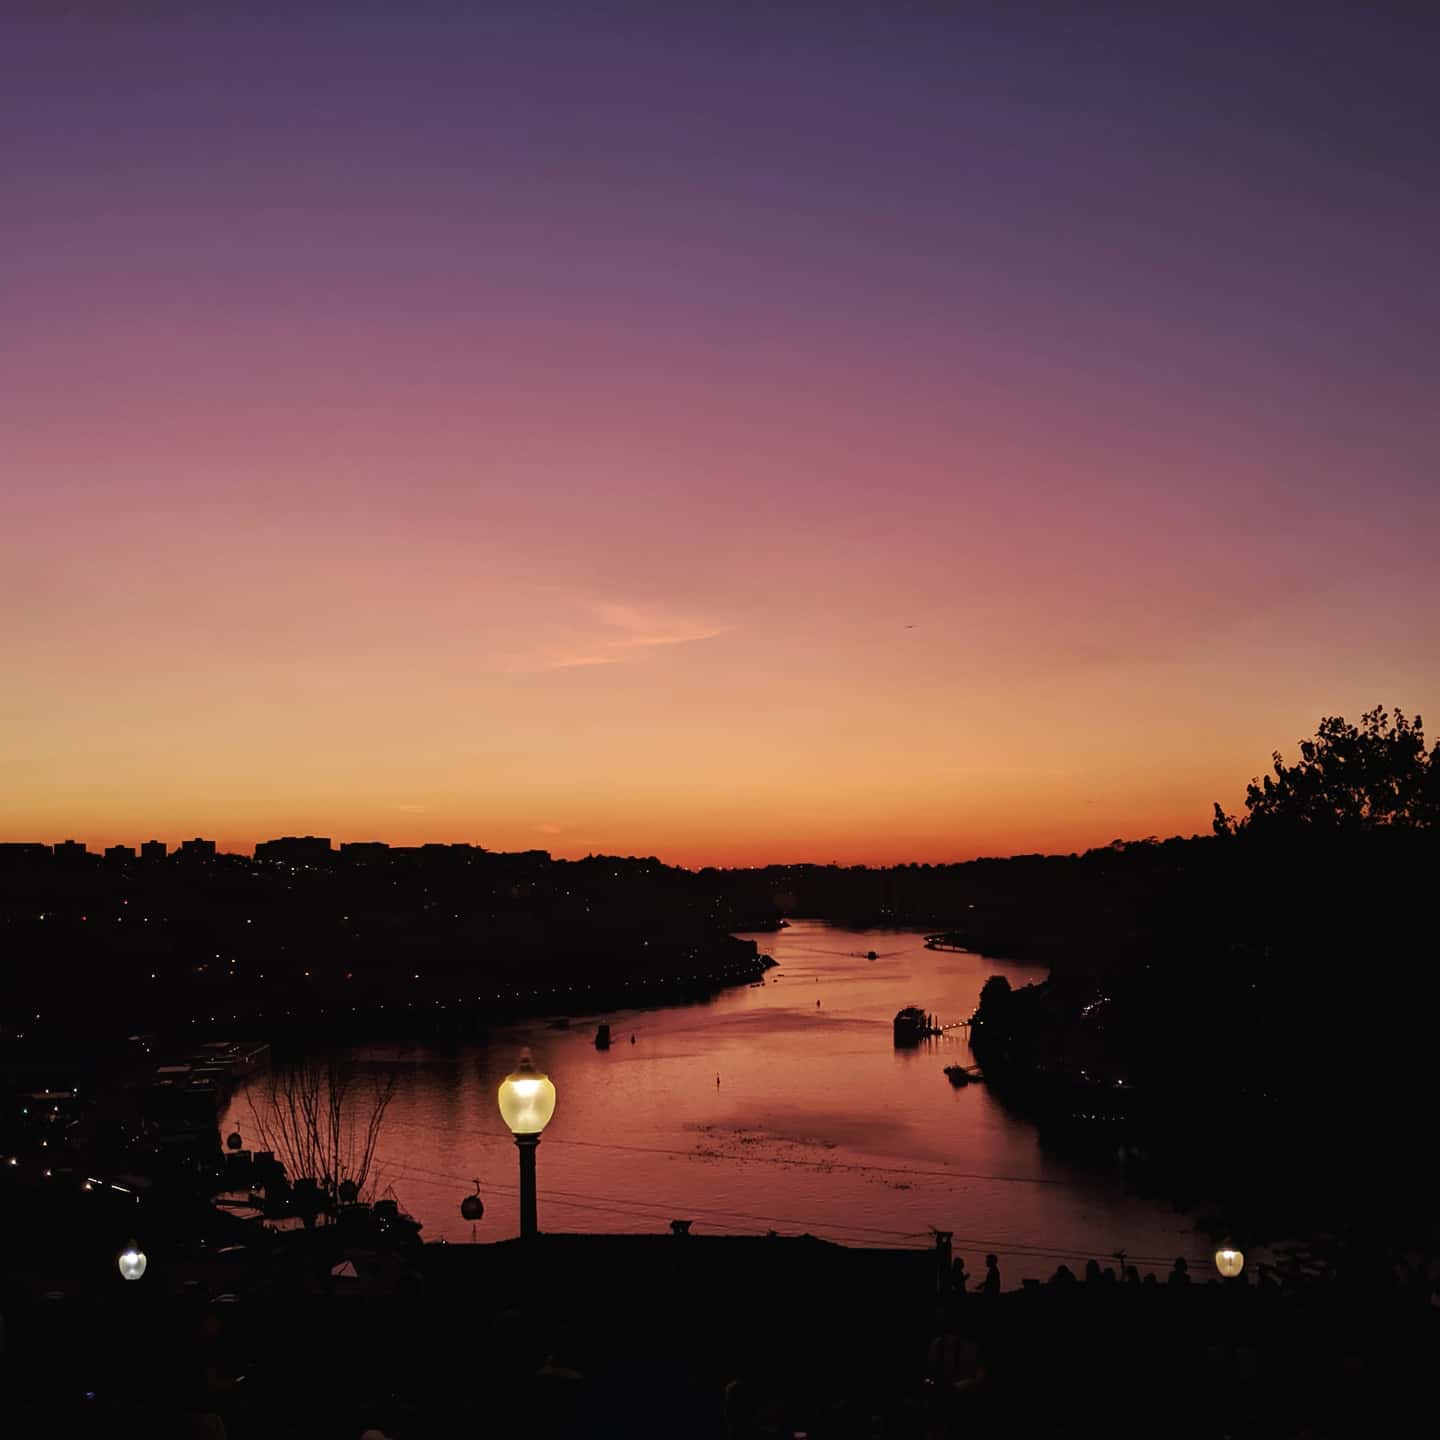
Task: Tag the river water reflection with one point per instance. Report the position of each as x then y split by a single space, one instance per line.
817 1123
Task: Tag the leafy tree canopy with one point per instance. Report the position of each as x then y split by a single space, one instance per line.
1349 778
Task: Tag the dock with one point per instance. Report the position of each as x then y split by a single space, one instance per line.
913 1024
945 942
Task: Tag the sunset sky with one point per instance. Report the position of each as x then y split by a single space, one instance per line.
889 432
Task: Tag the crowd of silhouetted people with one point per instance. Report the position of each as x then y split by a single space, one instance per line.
1064 1279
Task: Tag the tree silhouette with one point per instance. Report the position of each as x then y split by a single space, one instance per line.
322 1123
1349 779
994 995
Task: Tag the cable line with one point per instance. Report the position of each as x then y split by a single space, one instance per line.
839 1229
673 1208
845 1165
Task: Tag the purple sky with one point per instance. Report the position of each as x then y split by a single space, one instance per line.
497 421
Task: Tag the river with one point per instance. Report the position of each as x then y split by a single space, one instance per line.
817 1123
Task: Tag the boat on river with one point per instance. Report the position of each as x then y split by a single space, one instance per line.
911 1025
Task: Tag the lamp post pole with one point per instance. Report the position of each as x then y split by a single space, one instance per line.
529 1221
527 1101
1229 1262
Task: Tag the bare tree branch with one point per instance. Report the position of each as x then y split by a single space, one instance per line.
320 1124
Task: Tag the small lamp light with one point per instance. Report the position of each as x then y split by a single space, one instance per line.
131 1262
1229 1261
527 1098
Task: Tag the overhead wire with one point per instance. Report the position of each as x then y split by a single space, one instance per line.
671 1209
844 1165
839 1230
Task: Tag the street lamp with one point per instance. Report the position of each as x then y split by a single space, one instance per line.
1229 1261
131 1262
527 1101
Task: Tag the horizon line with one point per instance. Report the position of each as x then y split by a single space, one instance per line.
337 850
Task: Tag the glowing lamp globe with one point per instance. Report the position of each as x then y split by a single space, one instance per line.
1229 1261
131 1263
527 1098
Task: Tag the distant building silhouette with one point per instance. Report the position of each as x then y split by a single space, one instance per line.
119 852
70 850
434 850
198 849
365 850
153 850
296 849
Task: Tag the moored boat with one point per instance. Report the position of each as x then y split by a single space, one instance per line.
910 1025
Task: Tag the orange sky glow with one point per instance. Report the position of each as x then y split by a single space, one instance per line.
398 450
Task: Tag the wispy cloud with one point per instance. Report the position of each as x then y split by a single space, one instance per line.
620 633
571 662
642 630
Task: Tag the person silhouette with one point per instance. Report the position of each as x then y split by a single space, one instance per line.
1179 1273
991 1286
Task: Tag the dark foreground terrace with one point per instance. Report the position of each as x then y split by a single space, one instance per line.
683 1335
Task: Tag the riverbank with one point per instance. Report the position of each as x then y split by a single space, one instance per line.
383 1007
361 939
1219 1114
